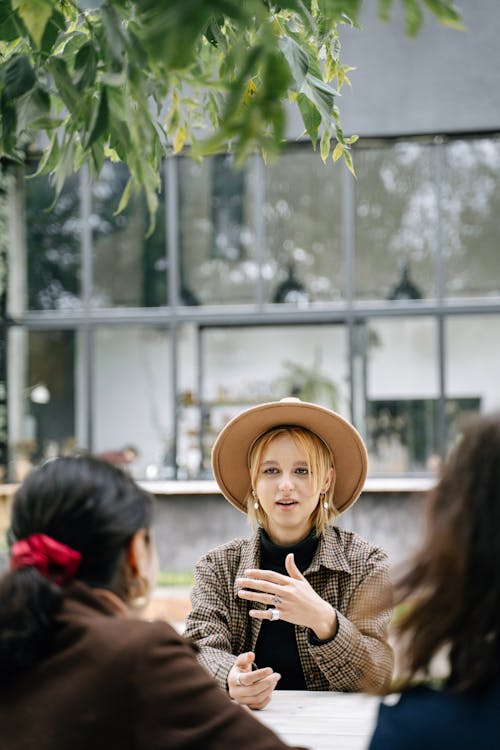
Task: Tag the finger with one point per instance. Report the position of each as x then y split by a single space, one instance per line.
263 614
266 575
252 679
292 569
260 584
262 698
255 596
244 660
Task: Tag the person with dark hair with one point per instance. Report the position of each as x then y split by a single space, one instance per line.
448 629
78 668
297 606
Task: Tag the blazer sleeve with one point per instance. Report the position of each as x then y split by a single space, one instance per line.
210 622
173 703
359 657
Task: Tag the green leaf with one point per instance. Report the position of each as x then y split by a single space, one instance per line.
297 59
34 105
50 157
69 93
100 119
384 10
9 28
446 13
85 66
18 77
413 17
55 25
338 151
8 121
113 42
310 117
320 96
325 144
125 197
35 15
348 162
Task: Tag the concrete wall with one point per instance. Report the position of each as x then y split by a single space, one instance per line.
187 526
443 81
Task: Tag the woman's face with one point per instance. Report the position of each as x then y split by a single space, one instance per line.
285 490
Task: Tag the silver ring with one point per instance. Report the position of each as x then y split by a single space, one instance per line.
238 679
276 599
275 614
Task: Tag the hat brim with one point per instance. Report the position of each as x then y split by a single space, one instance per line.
232 446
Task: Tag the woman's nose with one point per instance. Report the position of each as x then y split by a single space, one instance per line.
286 484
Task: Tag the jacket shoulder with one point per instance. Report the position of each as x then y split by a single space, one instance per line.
355 546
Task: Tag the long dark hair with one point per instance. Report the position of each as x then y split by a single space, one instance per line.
86 504
450 595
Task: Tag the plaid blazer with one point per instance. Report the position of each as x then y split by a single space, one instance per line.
347 571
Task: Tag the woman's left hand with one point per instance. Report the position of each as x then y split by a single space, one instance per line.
293 597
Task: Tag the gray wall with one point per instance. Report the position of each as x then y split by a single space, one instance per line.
443 81
187 526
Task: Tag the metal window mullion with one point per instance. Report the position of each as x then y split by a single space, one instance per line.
258 202
348 252
440 296
172 231
85 395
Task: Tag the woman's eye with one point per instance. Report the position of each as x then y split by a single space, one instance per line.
270 470
303 470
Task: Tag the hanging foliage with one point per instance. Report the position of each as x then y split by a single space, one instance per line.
133 80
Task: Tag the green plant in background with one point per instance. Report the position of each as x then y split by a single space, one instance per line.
175 578
308 383
133 80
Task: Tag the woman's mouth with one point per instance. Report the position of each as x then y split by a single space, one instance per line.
286 503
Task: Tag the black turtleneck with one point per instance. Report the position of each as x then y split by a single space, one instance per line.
276 646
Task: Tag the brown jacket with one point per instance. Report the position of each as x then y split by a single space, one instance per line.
117 683
347 571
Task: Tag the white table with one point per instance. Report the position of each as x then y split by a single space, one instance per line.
321 720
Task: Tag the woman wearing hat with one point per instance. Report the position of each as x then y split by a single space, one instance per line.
302 598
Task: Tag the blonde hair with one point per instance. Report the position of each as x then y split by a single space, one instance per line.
319 462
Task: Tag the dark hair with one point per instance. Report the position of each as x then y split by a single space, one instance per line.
86 504
451 592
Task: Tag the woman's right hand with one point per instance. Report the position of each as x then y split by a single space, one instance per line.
252 688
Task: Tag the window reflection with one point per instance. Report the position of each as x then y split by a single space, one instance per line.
402 392
53 244
129 268
472 368
43 419
470 209
216 235
132 406
395 222
303 227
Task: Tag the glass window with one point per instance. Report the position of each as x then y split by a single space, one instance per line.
471 217
472 368
303 226
395 222
245 366
402 394
43 419
129 268
53 244
216 238
132 415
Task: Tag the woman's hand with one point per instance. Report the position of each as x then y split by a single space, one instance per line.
293 597
252 688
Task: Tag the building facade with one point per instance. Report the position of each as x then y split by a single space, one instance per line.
377 296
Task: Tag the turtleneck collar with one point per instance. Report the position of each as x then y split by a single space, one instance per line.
273 555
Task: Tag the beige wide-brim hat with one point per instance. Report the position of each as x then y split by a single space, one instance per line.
231 450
